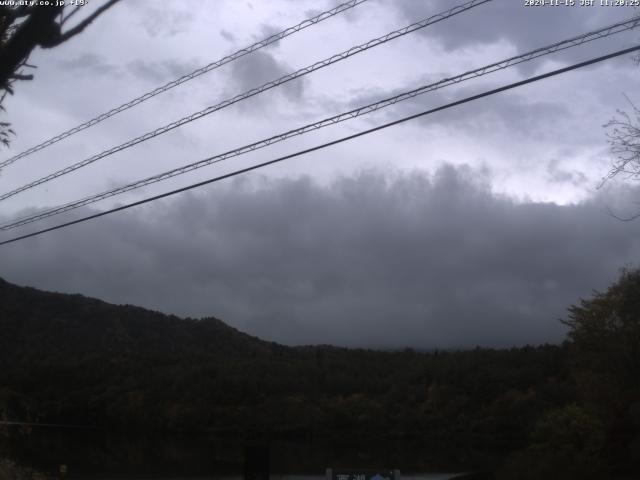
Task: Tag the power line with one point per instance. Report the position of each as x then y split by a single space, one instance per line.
185 78
250 93
558 46
328 144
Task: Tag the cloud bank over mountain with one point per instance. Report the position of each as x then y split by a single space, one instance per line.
381 259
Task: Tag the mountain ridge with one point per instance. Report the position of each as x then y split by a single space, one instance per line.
78 360
74 312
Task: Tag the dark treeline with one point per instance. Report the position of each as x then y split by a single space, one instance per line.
572 409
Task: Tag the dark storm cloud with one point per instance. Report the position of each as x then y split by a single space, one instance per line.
519 113
163 19
228 36
312 12
156 72
529 112
266 31
377 259
259 68
513 22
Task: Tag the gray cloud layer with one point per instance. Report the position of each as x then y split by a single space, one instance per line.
162 18
259 68
523 26
378 259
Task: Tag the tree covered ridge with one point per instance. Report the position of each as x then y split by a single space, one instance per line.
573 407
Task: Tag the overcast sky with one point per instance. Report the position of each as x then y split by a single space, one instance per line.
478 225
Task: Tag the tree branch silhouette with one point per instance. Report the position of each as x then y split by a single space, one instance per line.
22 29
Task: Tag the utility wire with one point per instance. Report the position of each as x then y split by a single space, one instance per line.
569 43
255 91
185 78
328 144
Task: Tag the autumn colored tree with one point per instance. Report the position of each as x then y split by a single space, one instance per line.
604 334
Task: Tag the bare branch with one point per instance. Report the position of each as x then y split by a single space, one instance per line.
71 14
19 76
41 26
63 37
623 219
624 141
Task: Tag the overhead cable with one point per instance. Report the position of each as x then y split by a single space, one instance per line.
325 145
250 93
276 37
372 107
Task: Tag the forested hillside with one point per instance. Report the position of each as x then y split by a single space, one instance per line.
72 359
